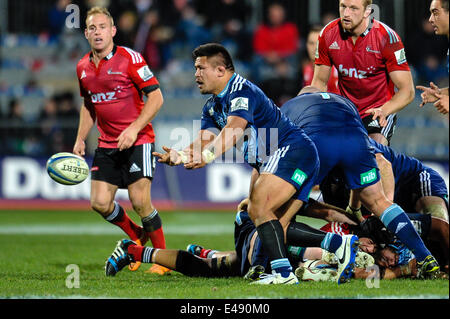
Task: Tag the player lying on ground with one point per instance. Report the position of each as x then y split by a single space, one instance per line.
224 264
417 188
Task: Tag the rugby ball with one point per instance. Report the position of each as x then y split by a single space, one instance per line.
67 168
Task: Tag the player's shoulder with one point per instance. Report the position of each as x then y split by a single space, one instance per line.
383 31
133 56
83 60
331 27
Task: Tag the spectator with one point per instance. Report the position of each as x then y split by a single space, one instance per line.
15 128
126 29
219 12
308 62
274 41
153 40
57 17
235 38
50 127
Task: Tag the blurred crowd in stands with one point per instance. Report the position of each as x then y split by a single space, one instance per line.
271 52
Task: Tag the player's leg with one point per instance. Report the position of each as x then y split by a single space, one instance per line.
127 251
105 181
268 194
396 221
102 201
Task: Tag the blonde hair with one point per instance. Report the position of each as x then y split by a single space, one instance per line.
99 10
367 3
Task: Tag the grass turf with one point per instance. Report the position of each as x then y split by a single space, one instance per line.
36 247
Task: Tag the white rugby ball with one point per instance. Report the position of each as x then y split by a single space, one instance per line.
67 168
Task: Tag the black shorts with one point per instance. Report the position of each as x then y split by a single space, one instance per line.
122 168
372 126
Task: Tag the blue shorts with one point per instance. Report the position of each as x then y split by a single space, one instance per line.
347 149
296 162
427 182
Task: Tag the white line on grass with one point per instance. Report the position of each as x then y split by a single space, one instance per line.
106 229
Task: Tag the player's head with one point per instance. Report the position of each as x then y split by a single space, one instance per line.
311 41
439 17
354 14
387 257
213 67
100 29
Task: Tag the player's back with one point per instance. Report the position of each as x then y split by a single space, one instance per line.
405 168
314 112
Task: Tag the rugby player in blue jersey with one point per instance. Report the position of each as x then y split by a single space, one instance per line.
284 159
332 122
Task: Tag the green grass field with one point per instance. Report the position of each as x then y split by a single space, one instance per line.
36 248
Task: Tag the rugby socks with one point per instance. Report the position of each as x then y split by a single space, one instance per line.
120 218
300 234
271 235
141 253
396 221
207 253
153 227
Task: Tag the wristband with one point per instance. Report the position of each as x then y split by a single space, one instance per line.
183 156
208 156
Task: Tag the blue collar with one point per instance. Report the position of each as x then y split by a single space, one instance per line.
221 94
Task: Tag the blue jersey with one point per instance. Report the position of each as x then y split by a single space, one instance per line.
405 168
267 128
313 112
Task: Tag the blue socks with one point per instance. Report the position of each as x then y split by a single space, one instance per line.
282 266
395 219
331 242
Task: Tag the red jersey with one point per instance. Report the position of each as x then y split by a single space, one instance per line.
308 73
363 67
113 90
336 228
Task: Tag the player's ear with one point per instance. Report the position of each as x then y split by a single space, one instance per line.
221 70
113 30
86 33
368 11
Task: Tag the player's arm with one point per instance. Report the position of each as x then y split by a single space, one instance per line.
173 157
227 138
86 122
405 94
321 76
151 107
326 212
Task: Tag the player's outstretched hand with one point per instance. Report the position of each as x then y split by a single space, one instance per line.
378 113
429 94
79 148
442 104
170 157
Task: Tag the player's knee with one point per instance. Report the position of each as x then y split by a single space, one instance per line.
101 206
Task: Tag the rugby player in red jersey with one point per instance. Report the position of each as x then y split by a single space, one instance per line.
113 80
371 62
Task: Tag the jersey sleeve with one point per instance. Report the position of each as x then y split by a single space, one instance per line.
243 104
394 52
140 73
322 56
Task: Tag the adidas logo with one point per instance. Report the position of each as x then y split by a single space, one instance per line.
374 123
134 168
83 75
399 227
334 46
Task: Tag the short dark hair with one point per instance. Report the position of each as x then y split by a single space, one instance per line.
214 49
444 5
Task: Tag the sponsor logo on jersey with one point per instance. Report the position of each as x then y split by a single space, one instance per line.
103 97
400 56
145 73
352 72
239 103
83 75
110 71
368 177
211 111
334 46
368 49
299 177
